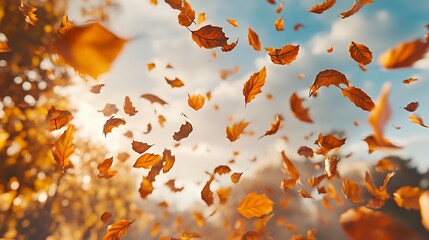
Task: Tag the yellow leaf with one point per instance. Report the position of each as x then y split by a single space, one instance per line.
117 230
255 205
64 148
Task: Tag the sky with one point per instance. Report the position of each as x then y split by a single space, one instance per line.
155 36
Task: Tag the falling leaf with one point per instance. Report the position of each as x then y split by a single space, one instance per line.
284 55
222 169
4 47
184 131
358 97
328 142
206 193
298 110
304 194
319 9
171 184
104 168
105 217
355 8
161 120
147 160
140 147
112 123
233 22
274 127
235 177
378 195
352 191
408 197
154 2
330 49
279 8
255 205
253 86
297 26
385 165
412 106
254 40
199 218
175 4
224 74
289 168
188 236
148 128
117 230
150 66
279 24
109 110
96 88
201 18
223 194
89 49
315 181
64 148
360 53
273 2
404 54
196 101
331 166
29 12
229 47
58 118
209 37
129 108
153 99
424 208
65 25
233 133
418 120
187 14
176 83
168 160
306 152
327 78
409 80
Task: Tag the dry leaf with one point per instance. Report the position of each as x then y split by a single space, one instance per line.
355 8
235 177
289 168
330 49
89 49
206 193
233 133
112 123
305 151
331 166
150 66
171 184
146 188
129 108
418 120
408 197
327 78
29 12
58 118
358 97
279 8
304 194
187 14
184 131
196 101
297 26
117 230
253 86
328 142
298 110
147 160
153 99
412 106
352 191
4 47
360 53
209 37
233 22
378 195
274 127
319 9
222 169
284 55
175 4
255 205
385 165
168 160
409 80
64 148
254 40
223 194
176 83
229 47
96 88
404 54
424 208
105 217
140 147
201 18
109 110
104 168
279 24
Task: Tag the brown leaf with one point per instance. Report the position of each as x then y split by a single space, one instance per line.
385 165
175 4
355 8
279 24
424 208
304 193
279 8
153 99
404 54
4 47
327 78
147 160
235 177
168 160
112 123
330 49
148 128
184 131
254 40
64 148
284 55
209 37
117 230
298 110
251 235
331 166
418 120
146 188
129 108
171 184
378 195
253 86
412 106
306 152
409 80
360 53
352 191
255 205
408 197
58 118
96 88
196 101
223 194
289 168
328 142
319 9
274 127
233 22
176 83
105 217
140 147
29 12
187 14
206 193
89 49
229 47
358 97
233 133
298 26
109 110
104 168
222 169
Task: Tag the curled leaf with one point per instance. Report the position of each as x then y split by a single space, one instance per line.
117 230
176 83
327 78
284 55
418 120
235 177
206 193
153 98
183 132
129 108
358 97
233 133
147 160
319 9
274 127
279 24
298 110
104 169
111 124
140 147
109 110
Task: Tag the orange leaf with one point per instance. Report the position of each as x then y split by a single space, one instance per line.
409 80
129 108
147 160
153 99
109 110
355 8
424 208
29 12
284 55
206 193
4 47
233 22
408 197
168 159
331 166
176 83
254 40
223 194
378 195
161 120
175 4
328 142
279 24
105 217
117 230
418 120
150 66
171 184
235 177
255 205
65 25
104 168
297 26
251 235
201 18
385 165
96 88
412 106
229 47
274 127
360 53
233 133
196 101
58 118
404 54
319 9
279 8
304 193
89 49
187 14
298 110
184 131
358 97
222 169
306 152
146 188
352 191
209 37
64 148
253 86
327 78
112 123
140 147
